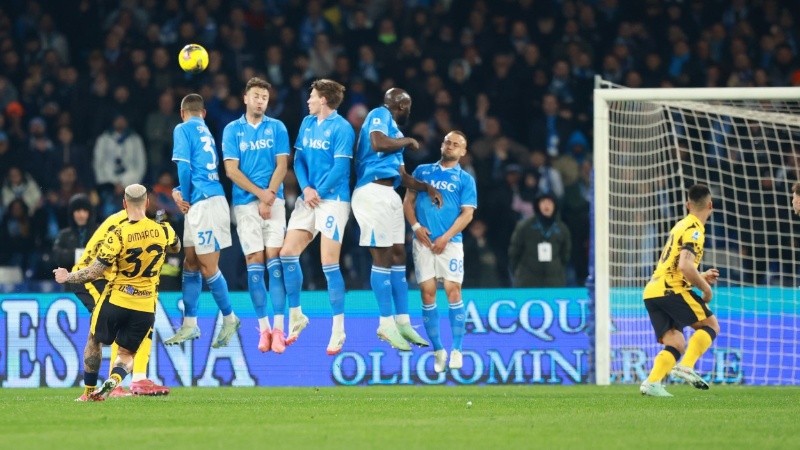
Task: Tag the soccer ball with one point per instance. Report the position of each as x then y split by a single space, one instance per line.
193 58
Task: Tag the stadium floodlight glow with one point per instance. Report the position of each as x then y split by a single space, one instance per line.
649 146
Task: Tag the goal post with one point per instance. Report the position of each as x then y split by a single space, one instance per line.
650 145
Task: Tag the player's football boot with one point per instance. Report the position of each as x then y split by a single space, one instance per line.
278 344
148 388
265 340
184 333
439 360
104 390
389 334
226 333
410 334
336 342
119 392
87 396
653 389
688 375
296 325
456 359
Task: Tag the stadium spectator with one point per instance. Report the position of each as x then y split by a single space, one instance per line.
119 160
19 185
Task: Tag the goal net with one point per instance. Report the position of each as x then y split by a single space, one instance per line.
650 146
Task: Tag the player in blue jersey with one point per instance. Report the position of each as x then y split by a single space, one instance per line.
379 212
437 249
207 225
324 148
256 153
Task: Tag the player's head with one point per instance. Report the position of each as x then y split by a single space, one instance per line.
192 106
135 200
796 198
324 94
256 96
699 200
454 146
399 104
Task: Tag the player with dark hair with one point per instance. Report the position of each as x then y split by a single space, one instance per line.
437 248
324 148
207 228
379 211
126 312
255 149
671 303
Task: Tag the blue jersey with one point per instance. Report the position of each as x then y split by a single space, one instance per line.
458 190
371 165
193 144
257 149
318 145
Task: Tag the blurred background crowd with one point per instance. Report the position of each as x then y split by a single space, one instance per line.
89 93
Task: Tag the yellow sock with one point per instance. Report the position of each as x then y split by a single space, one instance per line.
87 390
142 357
662 364
114 352
698 344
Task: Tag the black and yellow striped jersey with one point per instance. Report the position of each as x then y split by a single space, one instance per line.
137 251
93 246
688 234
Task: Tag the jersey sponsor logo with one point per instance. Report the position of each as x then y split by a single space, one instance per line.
130 290
318 144
443 185
258 144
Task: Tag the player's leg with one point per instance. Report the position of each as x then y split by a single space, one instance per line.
430 319
140 385
330 251
251 229
400 296
691 309
674 344
277 294
191 288
92 357
132 327
296 241
209 269
706 331
457 321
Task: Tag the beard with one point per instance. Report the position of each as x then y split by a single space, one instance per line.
402 120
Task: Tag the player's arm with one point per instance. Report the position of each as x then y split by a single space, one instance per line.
692 275
461 222
381 143
181 155
241 180
410 182
421 232
92 272
281 167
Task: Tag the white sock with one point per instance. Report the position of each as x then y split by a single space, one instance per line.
230 319
338 322
190 321
138 377
277 322
402 319
387 321
295 312
263 323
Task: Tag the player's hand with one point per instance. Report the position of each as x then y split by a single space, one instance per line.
61 275
268 197
183 205
413 144
711 275
435 195
264 210
424 236
439 244
707 294
311 197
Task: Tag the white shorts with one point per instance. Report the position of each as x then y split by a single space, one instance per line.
256 234
379 213
207 227
329 218
449 265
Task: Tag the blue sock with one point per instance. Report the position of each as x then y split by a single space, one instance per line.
457 323
335 287
430 317
192 286
292 279
277 293
381 281
400 289
219 290
258 291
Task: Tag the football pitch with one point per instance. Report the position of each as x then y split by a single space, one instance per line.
408 417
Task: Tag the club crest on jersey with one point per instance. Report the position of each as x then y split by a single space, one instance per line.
453 177
268 131
696 236
327 133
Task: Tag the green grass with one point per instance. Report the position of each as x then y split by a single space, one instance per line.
406 417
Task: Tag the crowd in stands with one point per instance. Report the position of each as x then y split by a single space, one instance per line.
89 92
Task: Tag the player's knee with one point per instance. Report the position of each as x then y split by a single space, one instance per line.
453 292
398 255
